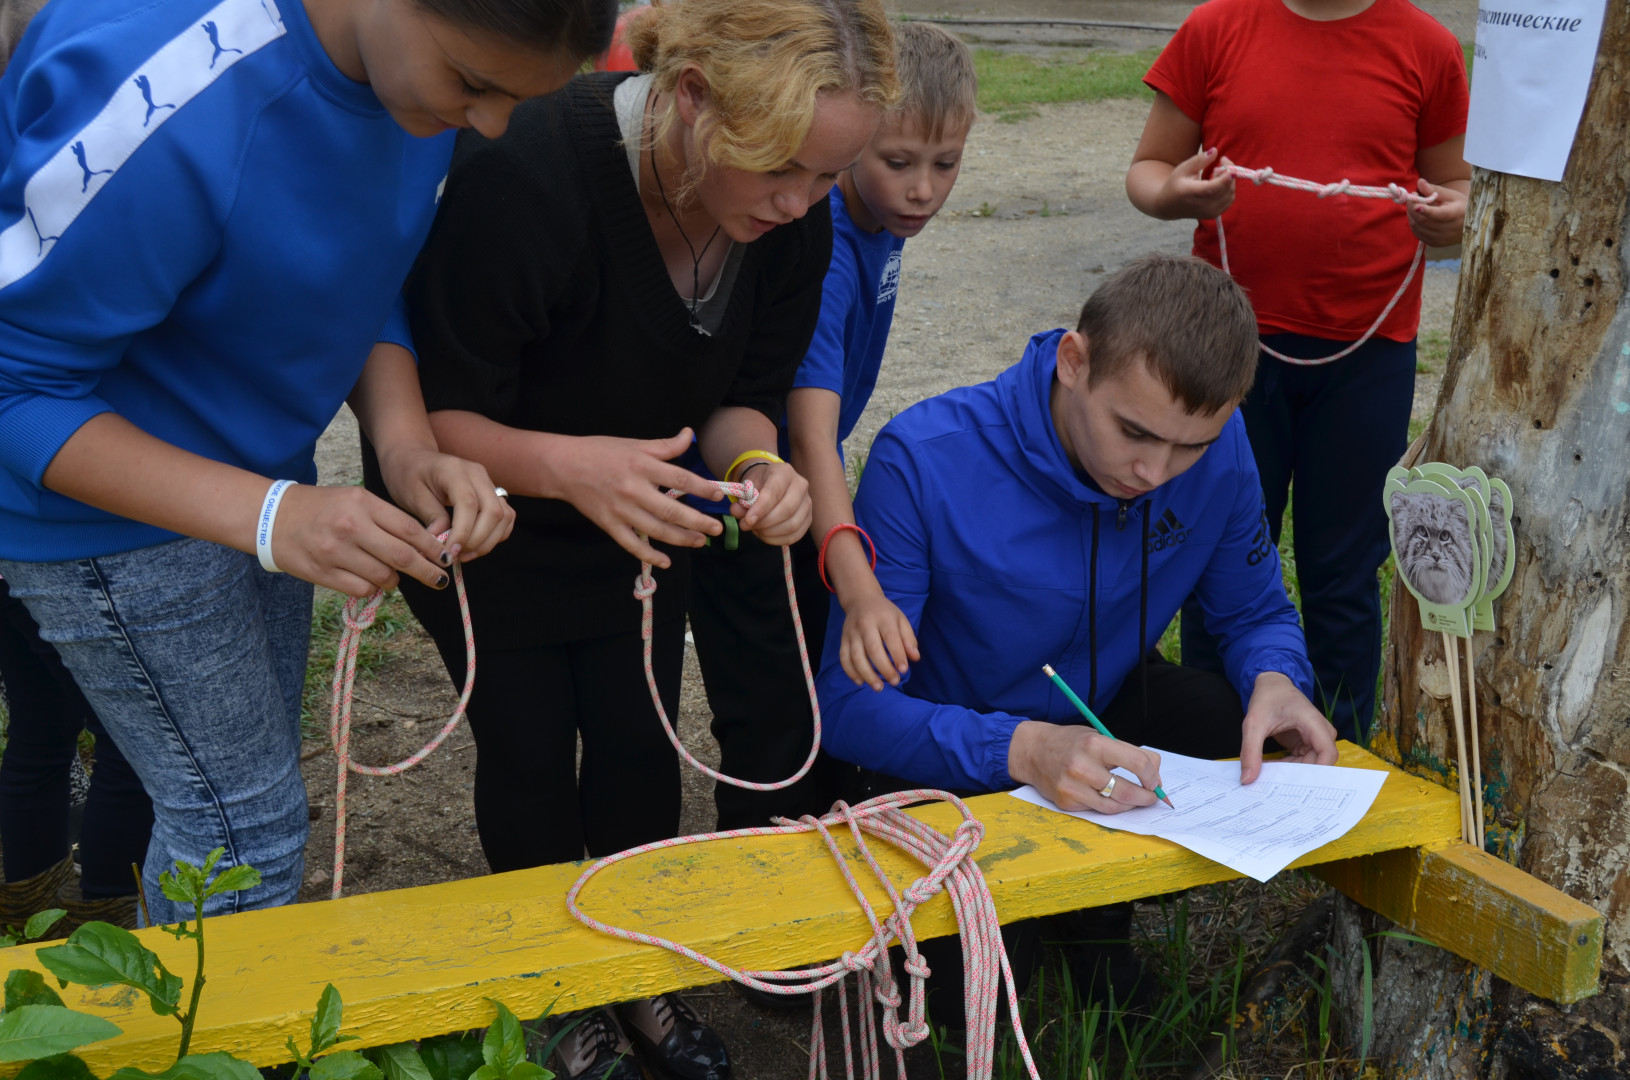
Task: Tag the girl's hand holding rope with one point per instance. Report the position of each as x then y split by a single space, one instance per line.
1439 223
1188 193
621 485
353 542
427 482
782 512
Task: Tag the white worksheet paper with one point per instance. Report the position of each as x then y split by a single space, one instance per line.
1258 829
1530 76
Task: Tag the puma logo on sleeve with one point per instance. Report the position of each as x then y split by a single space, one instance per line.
115 120
147 96
41 237
215 39
90 173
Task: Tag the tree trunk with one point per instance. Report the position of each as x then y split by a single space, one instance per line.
1537 390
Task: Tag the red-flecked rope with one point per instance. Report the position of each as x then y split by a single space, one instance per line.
359 614
645 588
950 866
950 863
1400 195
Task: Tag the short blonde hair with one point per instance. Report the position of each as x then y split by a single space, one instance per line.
766 62
938 86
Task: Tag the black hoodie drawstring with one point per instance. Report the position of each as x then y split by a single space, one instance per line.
1143 615
1092 613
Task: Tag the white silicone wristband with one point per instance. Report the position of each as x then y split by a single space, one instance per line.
268 517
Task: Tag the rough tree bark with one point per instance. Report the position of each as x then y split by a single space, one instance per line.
1537 390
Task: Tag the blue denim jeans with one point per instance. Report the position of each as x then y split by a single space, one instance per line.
194 657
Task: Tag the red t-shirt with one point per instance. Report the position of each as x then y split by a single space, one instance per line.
1353 98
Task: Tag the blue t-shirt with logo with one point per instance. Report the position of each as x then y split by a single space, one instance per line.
204 227
857 307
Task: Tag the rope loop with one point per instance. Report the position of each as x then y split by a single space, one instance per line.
948 864
1394 192
359 614
645 588
948 861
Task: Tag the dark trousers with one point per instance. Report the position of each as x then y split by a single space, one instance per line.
47 714
1186 711
534 804
744 637
1333 431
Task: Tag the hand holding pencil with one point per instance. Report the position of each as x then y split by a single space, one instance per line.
1073 767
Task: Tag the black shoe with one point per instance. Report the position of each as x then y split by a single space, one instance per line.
672 1039
596 1048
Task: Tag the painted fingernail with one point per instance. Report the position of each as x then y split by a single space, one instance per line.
446 558
441 582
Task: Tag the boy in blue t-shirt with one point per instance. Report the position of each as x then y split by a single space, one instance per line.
744 637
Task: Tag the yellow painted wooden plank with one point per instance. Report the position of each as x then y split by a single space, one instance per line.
418 962
1485 910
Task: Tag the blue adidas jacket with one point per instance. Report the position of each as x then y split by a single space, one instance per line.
204 226
1004 560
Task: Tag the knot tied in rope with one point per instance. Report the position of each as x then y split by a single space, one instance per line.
645 588
951 868
358 614
950 865
1400 195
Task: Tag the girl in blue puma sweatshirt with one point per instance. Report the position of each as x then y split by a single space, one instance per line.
207 210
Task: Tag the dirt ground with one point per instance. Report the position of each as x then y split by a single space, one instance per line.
1038 217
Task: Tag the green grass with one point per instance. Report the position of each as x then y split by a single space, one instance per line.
1431 351
1198 947
1012 84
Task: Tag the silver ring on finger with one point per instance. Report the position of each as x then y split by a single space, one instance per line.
1108 790
500 492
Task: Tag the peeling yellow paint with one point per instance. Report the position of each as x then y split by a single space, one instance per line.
419 962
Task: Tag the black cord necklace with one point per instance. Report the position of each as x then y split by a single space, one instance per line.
695 304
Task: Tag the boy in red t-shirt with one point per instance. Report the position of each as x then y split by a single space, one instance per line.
1371 91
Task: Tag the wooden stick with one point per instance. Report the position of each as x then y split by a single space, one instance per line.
1477 755
1451 656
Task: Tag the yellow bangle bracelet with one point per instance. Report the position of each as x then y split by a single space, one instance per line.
750 455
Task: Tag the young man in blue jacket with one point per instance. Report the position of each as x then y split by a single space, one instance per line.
1060 514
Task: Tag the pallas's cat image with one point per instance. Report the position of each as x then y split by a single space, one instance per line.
1496 526
1432 535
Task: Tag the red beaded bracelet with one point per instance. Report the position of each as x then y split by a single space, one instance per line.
820 560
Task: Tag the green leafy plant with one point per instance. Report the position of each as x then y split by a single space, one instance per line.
37 926
38 1028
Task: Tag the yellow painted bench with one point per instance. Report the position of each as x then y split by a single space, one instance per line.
418 962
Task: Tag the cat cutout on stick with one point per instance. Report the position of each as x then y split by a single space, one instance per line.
1501 565
1433 529
1475 482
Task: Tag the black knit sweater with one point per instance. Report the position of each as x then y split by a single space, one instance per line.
541 301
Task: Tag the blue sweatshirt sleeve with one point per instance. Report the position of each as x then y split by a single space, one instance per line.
396 330
94 250
1242 590
890 731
